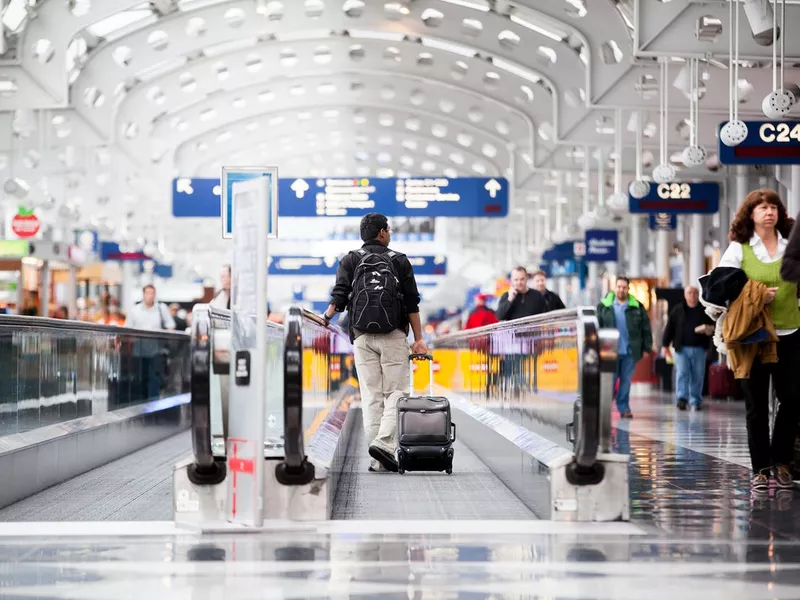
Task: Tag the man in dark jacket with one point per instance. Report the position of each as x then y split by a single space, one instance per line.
688 330
519 301
623 312
381 358
552 301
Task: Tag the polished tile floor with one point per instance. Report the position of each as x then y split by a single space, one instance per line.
696 533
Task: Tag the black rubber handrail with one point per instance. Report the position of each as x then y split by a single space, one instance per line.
295 469
206 470
24 322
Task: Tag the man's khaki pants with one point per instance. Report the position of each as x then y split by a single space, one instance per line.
383 371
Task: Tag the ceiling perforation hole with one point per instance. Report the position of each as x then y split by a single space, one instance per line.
201 147
475 114
187 82
489 150
43 51
527 92
425 59
392 54
266 96
491 79
224 137
413 124
472 27
297 90
406 161
394 11
438 130
545 131
80 8
252 126
158 40
322 55
428 166
235 17
221 71
253 63
326 89
433 150
456 158
464 139
502 128
385 140
574 97
353 8
417 98
388 92
156 96
356 87
447 106
479 168
239 103
196 27
450 172
459 70
386 120
547 55
273 10
288 57
93 97
410 145
508 39
357 52
130 130
208 114
304 116
576 9
432 17
277 120
611 53
314 8
384 158
122 55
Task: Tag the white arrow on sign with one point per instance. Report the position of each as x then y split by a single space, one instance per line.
300 187
493 186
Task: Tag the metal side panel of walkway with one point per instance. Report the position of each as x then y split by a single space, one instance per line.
471 492
137 487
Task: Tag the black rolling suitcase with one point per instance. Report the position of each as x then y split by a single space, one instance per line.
425 431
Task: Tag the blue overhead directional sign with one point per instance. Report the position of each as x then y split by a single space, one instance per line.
767 143
318 265
355 197
677 198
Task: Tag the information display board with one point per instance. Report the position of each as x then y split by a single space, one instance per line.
602 245
767 143
248 382
677 198
354 197
662 222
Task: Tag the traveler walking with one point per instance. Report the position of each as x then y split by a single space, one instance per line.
552 301
688 331
621 311
482 315
377 287
520 301
758 235
150 352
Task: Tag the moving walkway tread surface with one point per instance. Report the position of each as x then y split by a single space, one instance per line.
137 487
471 492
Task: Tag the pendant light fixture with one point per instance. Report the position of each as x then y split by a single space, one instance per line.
777 104
734 132
694 154
664 172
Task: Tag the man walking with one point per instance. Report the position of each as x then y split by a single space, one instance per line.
688 330
377 287
153 315
519 301
552 301
623 312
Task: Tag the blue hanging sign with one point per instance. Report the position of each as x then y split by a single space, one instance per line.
677 198
111 251
355 197
327 266
662 222
767 143
601 245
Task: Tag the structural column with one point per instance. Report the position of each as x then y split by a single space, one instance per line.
635 247
793 201
696 249
44 292
662 257
741 185
72 292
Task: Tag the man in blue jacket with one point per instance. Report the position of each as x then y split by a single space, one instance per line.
621 311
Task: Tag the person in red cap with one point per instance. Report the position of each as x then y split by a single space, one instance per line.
482 315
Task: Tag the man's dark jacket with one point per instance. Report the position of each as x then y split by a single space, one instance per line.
552 301
340 295
524 305
673 332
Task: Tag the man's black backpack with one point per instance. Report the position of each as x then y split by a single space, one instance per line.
376 301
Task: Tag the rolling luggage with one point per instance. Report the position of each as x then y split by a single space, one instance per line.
721 382
425 431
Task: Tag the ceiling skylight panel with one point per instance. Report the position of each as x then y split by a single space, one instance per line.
121 23
448 47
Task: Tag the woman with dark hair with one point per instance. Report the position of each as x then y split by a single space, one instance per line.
758 237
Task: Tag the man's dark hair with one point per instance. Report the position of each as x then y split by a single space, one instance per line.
149 286
521 269
622 278
537 273
372 225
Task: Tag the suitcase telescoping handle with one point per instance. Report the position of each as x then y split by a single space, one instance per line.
412 358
